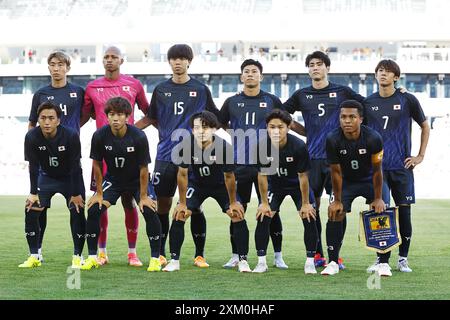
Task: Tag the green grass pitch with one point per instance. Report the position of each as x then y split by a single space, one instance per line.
429 258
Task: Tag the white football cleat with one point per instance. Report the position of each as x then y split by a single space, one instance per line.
310 268
232 263
173 265
261 268
280 264
402 266
331 269
374 266
243 266
384 270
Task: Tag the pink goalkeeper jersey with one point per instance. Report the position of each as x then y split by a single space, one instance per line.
102 89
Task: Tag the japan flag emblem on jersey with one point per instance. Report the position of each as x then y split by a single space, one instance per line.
192 93
362 151
332 94
130 149
73 94
397 107
126 88
289 159
61 148
263 105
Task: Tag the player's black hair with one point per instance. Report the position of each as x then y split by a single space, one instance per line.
251 62
279 114
61 56
119 105
318 55
207 118
182 51
48 105
353 104
389 65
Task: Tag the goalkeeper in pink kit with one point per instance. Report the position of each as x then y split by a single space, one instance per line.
98 91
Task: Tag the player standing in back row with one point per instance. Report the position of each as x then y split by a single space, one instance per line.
319 105
98 92
173 103
390 112
69 97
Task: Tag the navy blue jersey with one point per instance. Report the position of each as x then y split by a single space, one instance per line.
207 166
123 156
320 110
172 106
58 157
248 114
69 98
354 156
291 160
392 118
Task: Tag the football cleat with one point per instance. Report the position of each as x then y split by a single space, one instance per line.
341 264
41 258
200 262
133 260
331 269
319 261
173 265
374 266
102 258
310 268
154 265
90 263
162 261
280 264
384 270
76 262
31 262
260 268
243 266
402 266
232 263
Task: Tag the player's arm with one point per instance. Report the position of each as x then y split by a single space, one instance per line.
236 209
141 98
33 118
412 162
151 115
75 167
306 211
144 200
297 128
87 110
336 209
145 122
98 196
33 167
181 211
378 204
264 207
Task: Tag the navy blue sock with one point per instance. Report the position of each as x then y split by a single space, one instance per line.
262 236
32 230
198 231
176 238
153 229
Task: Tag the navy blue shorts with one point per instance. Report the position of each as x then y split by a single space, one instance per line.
401 184
113 191
319 177
196 195
353 189
276 198
165 178
48 187
246 177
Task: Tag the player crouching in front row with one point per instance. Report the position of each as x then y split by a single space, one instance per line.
125 150
286 173
211 164
53 152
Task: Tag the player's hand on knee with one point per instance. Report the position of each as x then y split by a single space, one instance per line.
180 211
237 210
307 212
336 211
147 202
263 210
187 214
31 200
77 201
378 205
96 198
